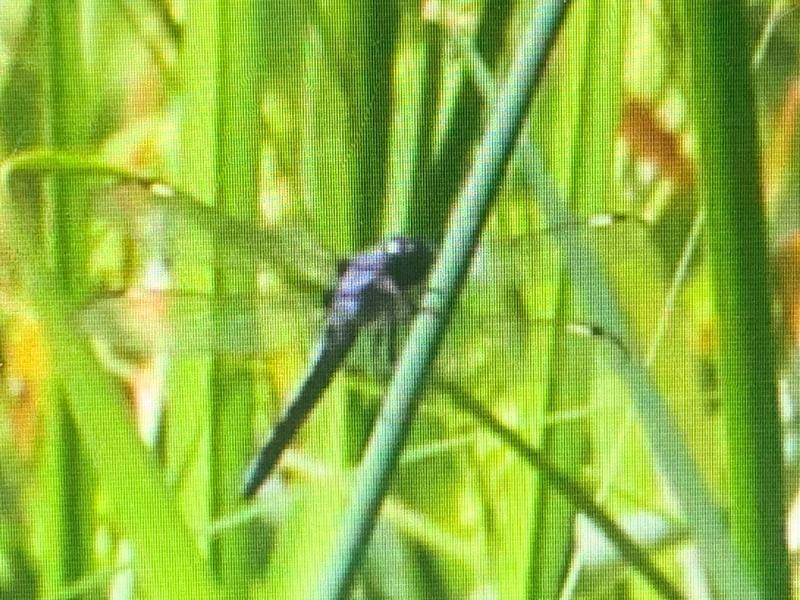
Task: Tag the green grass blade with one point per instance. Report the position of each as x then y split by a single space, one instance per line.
667 442
430 84
449 274
564 484
276 245
223 136
725 121
419 85
350 117
167 561
462 123
66 500
588 92
372 37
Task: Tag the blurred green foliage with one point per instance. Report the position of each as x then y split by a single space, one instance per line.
149 339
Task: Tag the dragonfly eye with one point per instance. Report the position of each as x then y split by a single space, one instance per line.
410 261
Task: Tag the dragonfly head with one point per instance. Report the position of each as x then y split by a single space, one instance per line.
409 260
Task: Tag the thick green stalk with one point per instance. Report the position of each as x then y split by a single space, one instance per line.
167 562
467 222
461 125
66 497
222 136
725 121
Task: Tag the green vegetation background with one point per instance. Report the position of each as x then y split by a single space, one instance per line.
517 459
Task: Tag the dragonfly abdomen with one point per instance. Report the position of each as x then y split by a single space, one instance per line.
332 351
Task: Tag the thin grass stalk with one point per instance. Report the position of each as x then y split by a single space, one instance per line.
239 137
400 406
553 517
350 57
730 181
189 398
373 39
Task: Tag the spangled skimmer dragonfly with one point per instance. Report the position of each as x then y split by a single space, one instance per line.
378 284
374 284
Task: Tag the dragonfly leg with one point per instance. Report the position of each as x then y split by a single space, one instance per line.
391 341
384 346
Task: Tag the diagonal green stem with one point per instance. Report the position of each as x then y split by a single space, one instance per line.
579 497
467 222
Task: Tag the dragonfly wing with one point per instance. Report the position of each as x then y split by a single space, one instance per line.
156 321
174 215
331 352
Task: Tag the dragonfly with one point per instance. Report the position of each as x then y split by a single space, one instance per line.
378 283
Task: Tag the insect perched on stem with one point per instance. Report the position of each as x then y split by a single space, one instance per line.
373 284
376 285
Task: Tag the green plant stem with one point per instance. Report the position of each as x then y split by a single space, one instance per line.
730 183
400 406
64 479
223 133
579 497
